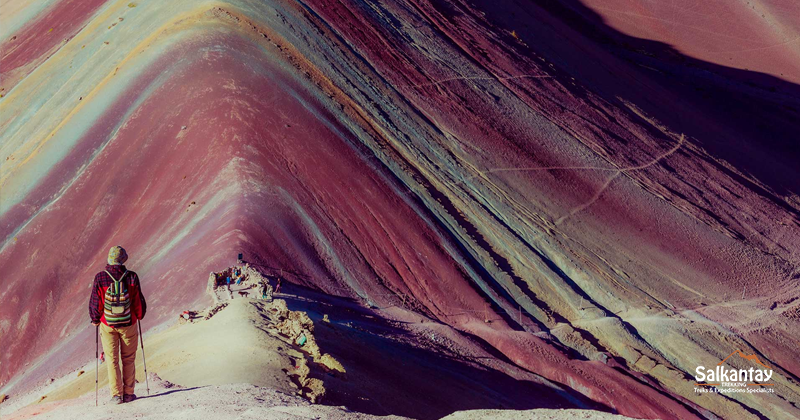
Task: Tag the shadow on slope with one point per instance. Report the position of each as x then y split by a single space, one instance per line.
392 371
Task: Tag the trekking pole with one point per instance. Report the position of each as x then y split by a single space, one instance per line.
141 341
96 362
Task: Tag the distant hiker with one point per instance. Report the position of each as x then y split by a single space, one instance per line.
115 305
266 290
278 286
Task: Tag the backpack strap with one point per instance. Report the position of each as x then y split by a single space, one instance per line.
117 282
112 277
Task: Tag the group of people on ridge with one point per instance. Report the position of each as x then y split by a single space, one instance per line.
265 288
236 276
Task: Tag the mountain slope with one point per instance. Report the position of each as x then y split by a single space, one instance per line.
599 210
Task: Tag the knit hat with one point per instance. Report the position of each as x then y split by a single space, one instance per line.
117 255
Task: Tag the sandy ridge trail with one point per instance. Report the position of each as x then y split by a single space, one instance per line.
243 401
233 342
168 401
234 360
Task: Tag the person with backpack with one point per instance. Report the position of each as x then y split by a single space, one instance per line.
115 305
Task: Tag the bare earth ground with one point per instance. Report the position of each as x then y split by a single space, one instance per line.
243 401
235 365
232 401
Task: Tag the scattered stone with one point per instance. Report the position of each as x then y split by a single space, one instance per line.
3 397
215 309
313 390
80 373
331 365
294 324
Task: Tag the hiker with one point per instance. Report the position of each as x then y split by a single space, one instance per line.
278 286
115 305
266 290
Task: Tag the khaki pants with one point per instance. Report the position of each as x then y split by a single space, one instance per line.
119 344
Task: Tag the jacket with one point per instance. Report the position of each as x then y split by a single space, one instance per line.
102 282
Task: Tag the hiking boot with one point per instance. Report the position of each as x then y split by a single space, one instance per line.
128 398
116 399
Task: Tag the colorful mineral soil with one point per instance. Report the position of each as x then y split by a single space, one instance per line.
564 204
